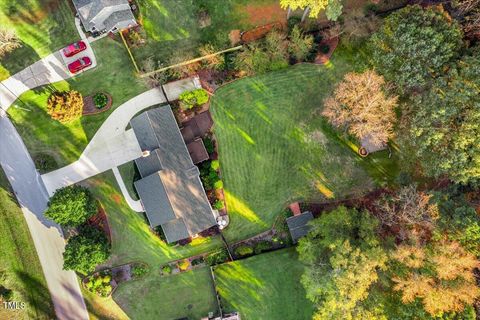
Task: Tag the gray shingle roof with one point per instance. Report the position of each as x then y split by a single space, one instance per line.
170 189
104 15
298 225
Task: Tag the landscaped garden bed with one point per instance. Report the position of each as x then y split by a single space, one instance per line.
96 103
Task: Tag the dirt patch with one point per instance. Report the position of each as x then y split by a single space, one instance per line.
258 14
89 107
259 32
235 37
324 58
117 198
101 222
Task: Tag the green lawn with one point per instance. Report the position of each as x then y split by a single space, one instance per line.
65 142
274 146
44 26
130 174
189 294
20 269
266 286
172 27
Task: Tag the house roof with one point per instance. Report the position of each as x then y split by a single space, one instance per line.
196 127
170 189
298 225
197 151
104 15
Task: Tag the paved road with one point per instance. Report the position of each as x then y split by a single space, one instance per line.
47 237
112 145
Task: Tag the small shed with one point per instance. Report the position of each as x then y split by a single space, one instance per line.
298 225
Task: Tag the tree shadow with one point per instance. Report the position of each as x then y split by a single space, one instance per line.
38 297
19 59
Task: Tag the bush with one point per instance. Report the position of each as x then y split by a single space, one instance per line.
44 162
194 98
218 205
215 164
183 264
209 145
65 106
262 246
86 250
71 206
100 284
292 22
5 293
218 185
167 269
139 270
197 261
217 257
100 100
324 48
243 250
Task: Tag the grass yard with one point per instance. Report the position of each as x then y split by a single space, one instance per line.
188 294
43 26
173 28
266 286
20 269
274 146
65 142
130 174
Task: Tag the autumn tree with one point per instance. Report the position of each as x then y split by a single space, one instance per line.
65 106
332 8
362 105
300 44
409 213
343 257
414 44
8 41
441 127
441 275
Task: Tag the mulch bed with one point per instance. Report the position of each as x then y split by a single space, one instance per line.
260 32
89 107
323 58
100 221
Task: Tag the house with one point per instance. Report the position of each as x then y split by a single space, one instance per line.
100 16
170 188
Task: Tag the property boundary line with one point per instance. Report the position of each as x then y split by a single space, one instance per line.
129 52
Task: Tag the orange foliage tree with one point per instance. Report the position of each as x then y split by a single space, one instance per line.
65 106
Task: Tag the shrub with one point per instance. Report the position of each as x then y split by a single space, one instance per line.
139 270
197 261
71 206
243 250
209 145
100 284
217 257
65 106
100 100
194 98
183 264
293 21
218 185
167 269
324 48
5 293
86 250
300 45
215 164
262 246
218 205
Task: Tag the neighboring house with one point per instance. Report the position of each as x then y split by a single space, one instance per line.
170 188
99 16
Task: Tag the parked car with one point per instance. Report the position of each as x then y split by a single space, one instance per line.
79 64
74 48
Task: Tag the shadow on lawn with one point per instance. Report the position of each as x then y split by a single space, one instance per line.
39 302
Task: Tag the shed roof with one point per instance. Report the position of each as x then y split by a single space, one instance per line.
197 151
298 225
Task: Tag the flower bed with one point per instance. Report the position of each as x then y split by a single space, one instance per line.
100 283
99 102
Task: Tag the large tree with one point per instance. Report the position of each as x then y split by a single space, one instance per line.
441 275
414 44
333 8
342 255
65 106
86 250
443 125
361 104
71 206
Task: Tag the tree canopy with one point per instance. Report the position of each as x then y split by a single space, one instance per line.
65 106
333 8
343 255
414 44
443 124
71 206
86 250
361 103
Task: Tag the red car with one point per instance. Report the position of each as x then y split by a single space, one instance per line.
79 64
74 48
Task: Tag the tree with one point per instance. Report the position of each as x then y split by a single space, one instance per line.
343 256
409 212
415 44
8 41
65 106
361 104
71 206
356 25
441 275
441 128
333 8
299 45
86 250
469 10
193 98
